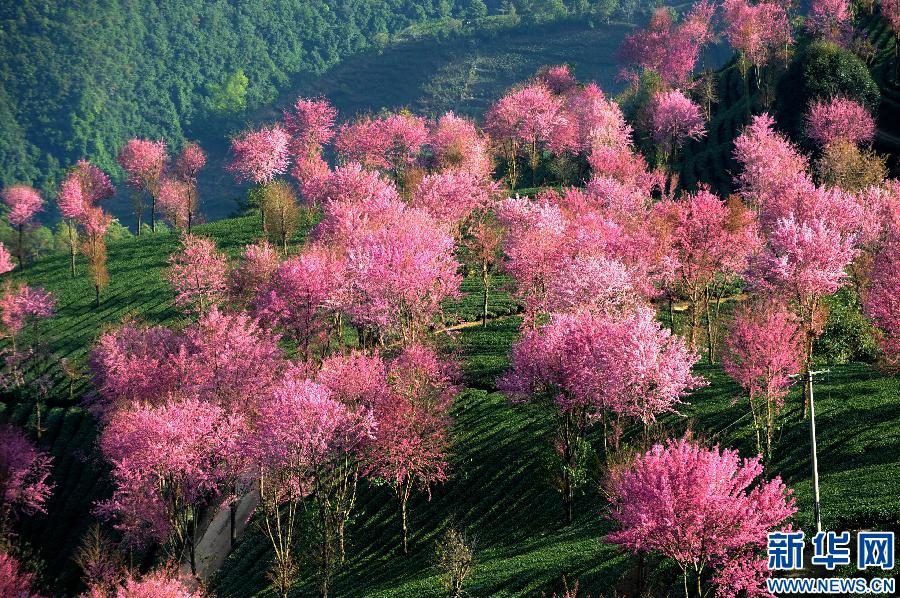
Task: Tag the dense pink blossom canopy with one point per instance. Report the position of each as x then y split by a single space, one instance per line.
353 199
300 428
675 118
189 162
882 299
389 143
310 123
803 258
231 359
259 261
839 118
21 305
84 186
456 144
260 156
558 79
24 473
400 272
356 379
628 365
302 293
700 507
144 162
451 197
756 30
831 19
587 122
175 200
198 273
156 584
165 457
23 202
667 48
6 262
762 350
15 582
132 364
525 115
412 437
771 163
96 222
708 237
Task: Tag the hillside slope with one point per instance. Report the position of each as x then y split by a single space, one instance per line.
499 491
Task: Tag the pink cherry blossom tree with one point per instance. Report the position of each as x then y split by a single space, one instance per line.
591 367
450 198
15 581
413 426
258 264
399 274
310 123
303 297
667 48
674 118
96 222
144 163
804 259
771 164
83 187
305 445
24 478
232 359
23 203
757 31
706 509
23 307
711 241
831 19
522 118
391 143
198 274
260 156
134 364
882 299
180 201
761 351
6 263
839 118
456 144
168 462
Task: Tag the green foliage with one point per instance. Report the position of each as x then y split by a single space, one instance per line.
823 70
848 334
231 96
79 79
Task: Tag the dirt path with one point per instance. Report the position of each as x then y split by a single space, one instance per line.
215 543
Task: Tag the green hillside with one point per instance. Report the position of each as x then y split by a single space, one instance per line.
430 73
499 491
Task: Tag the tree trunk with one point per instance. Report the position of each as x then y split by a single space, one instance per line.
96 295
190 219
403 517
709 328
73 249
232 520
486 282
193 546
21 247
153 212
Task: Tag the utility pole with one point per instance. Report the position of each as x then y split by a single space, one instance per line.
808 379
